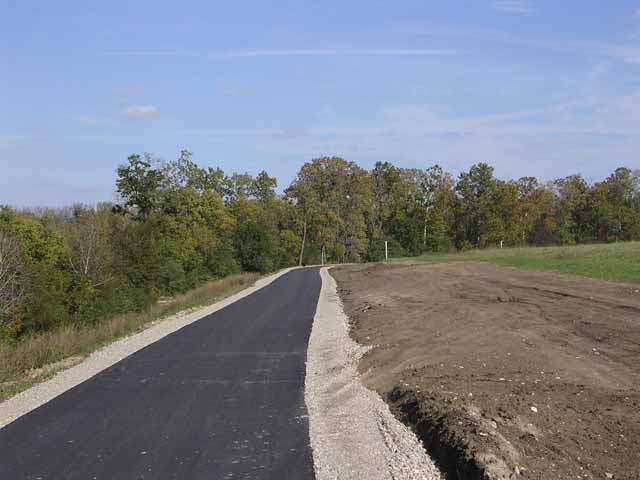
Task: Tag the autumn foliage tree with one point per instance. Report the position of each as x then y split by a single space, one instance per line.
177 224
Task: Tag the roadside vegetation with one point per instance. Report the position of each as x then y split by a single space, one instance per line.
40 355
617 262
87 270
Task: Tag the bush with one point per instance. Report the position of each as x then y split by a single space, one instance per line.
172 277
221 262
255 249
438 244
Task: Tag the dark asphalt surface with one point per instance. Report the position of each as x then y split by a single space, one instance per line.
223 398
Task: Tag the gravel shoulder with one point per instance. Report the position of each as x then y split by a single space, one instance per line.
23 403
353 433
503 373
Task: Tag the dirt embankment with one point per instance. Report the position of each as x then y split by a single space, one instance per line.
504 373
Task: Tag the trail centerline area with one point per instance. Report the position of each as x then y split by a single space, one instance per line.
220 398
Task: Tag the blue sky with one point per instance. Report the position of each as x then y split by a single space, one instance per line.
543 88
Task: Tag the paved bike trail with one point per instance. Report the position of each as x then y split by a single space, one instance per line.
222 398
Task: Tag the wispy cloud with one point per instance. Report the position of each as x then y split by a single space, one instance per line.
628 53
330 52
625 53
127 89
90 120
543 141
519 7
615 116
140 111
148 53
601 132
123 93
238 92
285 52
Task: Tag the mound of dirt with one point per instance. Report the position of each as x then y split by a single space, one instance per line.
504 373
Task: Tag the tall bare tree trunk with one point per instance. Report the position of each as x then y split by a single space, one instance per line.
304 239
424 234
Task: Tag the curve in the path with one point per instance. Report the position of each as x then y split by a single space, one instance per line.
220 398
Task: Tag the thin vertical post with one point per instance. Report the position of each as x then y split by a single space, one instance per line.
386 250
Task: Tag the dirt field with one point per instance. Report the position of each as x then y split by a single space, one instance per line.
504 373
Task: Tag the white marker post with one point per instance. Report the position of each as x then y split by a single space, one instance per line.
386 250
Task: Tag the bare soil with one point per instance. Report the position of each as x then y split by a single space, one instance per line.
504 373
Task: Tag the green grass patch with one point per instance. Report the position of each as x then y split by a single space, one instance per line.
617 262
39 356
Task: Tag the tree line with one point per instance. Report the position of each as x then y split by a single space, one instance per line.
178 224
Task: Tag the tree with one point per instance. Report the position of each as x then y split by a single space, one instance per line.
237 186
506 213
185 224
89 254
535 203
387 196
12 285
185 173
396 201
571 210
436 198
334 200
622 187
263 188
307 205
475 210
42 262
138 185
624 197
255 250
88 249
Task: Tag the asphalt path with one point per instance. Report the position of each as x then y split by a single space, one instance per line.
222 398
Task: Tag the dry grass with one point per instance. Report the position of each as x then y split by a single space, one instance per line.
39 356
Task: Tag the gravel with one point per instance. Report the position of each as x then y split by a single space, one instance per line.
353 433
30 399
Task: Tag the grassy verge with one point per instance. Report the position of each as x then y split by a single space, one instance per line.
619 262
38 357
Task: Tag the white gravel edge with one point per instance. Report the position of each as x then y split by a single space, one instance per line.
353 433
23 403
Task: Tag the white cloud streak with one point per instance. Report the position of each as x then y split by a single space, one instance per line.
592 135
148 53
238 92
287 52
518 7
588 135
590 116
140 111
90 120
322 52
627 53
